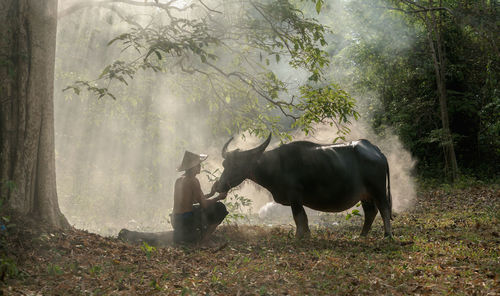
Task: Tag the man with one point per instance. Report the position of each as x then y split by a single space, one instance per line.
195 223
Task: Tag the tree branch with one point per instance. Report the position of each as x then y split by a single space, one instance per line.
422 8
166 6
208 8
272 26
278 104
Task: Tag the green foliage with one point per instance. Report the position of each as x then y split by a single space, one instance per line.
155 285
95 270
392 59
463 182
328 104
5 222
9 184
238 207
54 269
354 212
234 67
148 250
8 268
290 31
90 86
6 186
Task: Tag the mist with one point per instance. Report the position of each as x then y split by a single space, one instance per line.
116 159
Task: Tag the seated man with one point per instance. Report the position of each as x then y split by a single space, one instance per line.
194 223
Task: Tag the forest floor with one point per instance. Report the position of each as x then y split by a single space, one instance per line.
448 244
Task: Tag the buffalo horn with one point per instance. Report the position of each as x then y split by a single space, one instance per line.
261 147
224 149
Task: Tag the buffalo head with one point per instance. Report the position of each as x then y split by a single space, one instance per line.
238 165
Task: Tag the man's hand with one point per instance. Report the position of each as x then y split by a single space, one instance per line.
212 191
222 196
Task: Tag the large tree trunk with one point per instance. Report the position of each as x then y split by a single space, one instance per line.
27 153
439 60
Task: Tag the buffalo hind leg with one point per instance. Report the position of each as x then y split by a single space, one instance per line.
300 217
385 211
370 212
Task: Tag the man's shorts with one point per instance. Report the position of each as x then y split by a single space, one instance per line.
189 227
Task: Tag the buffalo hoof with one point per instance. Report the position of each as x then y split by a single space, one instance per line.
303 235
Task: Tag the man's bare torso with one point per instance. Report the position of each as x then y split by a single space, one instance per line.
187 192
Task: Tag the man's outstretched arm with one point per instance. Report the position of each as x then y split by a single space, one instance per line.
205 200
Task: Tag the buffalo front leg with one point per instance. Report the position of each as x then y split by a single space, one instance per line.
370 211
300 217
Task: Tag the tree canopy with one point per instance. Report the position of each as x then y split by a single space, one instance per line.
393 56
235 48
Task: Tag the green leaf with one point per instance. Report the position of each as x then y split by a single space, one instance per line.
319 3
75 89
228 99
105 71
111 95
120 37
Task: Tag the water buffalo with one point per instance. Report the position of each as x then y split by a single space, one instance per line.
328 178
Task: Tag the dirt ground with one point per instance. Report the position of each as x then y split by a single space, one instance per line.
448 244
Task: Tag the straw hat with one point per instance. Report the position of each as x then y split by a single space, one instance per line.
190 160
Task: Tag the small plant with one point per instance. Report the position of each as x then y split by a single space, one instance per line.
353 213
7 185
238 207
8 268
155 285
148 250
53 269
186 291
216 279
212 176
95 270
